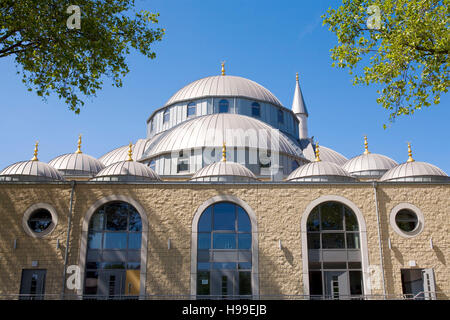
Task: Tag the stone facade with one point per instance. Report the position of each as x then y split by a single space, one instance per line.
170 209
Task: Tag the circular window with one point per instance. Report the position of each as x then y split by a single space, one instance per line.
39 220
407 220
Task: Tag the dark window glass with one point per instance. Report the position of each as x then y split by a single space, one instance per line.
203 283
91 282
40 220
353 241
133 265
97 222
331 214
95 240
93 265
351 223
313 223
280 116
256 109
134 240
245 265
204 240
245 283
313 240
203 265
224 241
244 241
224 216
335 265
223 106
116 217
166 116
113 265
315 265
406 220
224 265
116 240
204 223
354 265
315 283
191 109
183 165
243 221
135 222
333 241
355 282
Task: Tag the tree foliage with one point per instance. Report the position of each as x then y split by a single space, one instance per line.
408 55
72 62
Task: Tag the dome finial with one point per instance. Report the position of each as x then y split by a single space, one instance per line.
130 152
317 152
79 145
35 152
366 148
410 158
224 152
223 68
296 76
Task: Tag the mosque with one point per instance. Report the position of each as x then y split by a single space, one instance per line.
227 197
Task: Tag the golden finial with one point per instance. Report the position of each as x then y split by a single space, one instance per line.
130 152
296 76
223 68
35 152
366 148
317 152
79 145
224 152
410 158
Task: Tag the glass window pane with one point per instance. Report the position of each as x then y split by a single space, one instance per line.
224 265
95 240
354 265
116 216
315 283
353 241
351 223
191 109
134 222
224 216
243 220
224 241
203 265
203 283
113 265
223 106
406 220
204 240
244 240
90 286
115 240
333 240
98 220
92 265
355 282
313 240
314 265
335 265
332 217
133 266
134 240
313 223
40 220
245 265
204 224
245 283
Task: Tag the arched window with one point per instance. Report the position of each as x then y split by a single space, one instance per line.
224 252
113 252
256 109
334 252
191 109
223 106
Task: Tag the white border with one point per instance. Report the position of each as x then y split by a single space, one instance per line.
416 211
32 209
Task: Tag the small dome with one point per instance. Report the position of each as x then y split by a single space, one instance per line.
320 171
77 164
127 171
30 170
121 153
224 86
415 171
326 154
224 171
371 165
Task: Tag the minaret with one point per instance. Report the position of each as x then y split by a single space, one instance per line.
299 108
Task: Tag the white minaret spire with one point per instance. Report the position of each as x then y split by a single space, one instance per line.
299 108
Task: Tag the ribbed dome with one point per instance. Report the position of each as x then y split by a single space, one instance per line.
415 171
212 130
30 171
224 86
369 165
326 154
224 171
121 153
322 171
77 164
127 171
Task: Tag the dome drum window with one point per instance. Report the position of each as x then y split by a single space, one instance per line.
166 116
224 106
39 220
407 220
256 109
191 109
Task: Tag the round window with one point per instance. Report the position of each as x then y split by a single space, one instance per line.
406 220
40 220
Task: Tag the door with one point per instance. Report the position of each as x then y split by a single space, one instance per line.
111 284
32 285
336 284
223 284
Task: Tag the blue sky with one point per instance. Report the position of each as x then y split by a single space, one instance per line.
265 41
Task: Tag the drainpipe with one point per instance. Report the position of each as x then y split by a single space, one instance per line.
66 254
379 236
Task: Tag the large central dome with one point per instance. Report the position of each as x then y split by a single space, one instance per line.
224 86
